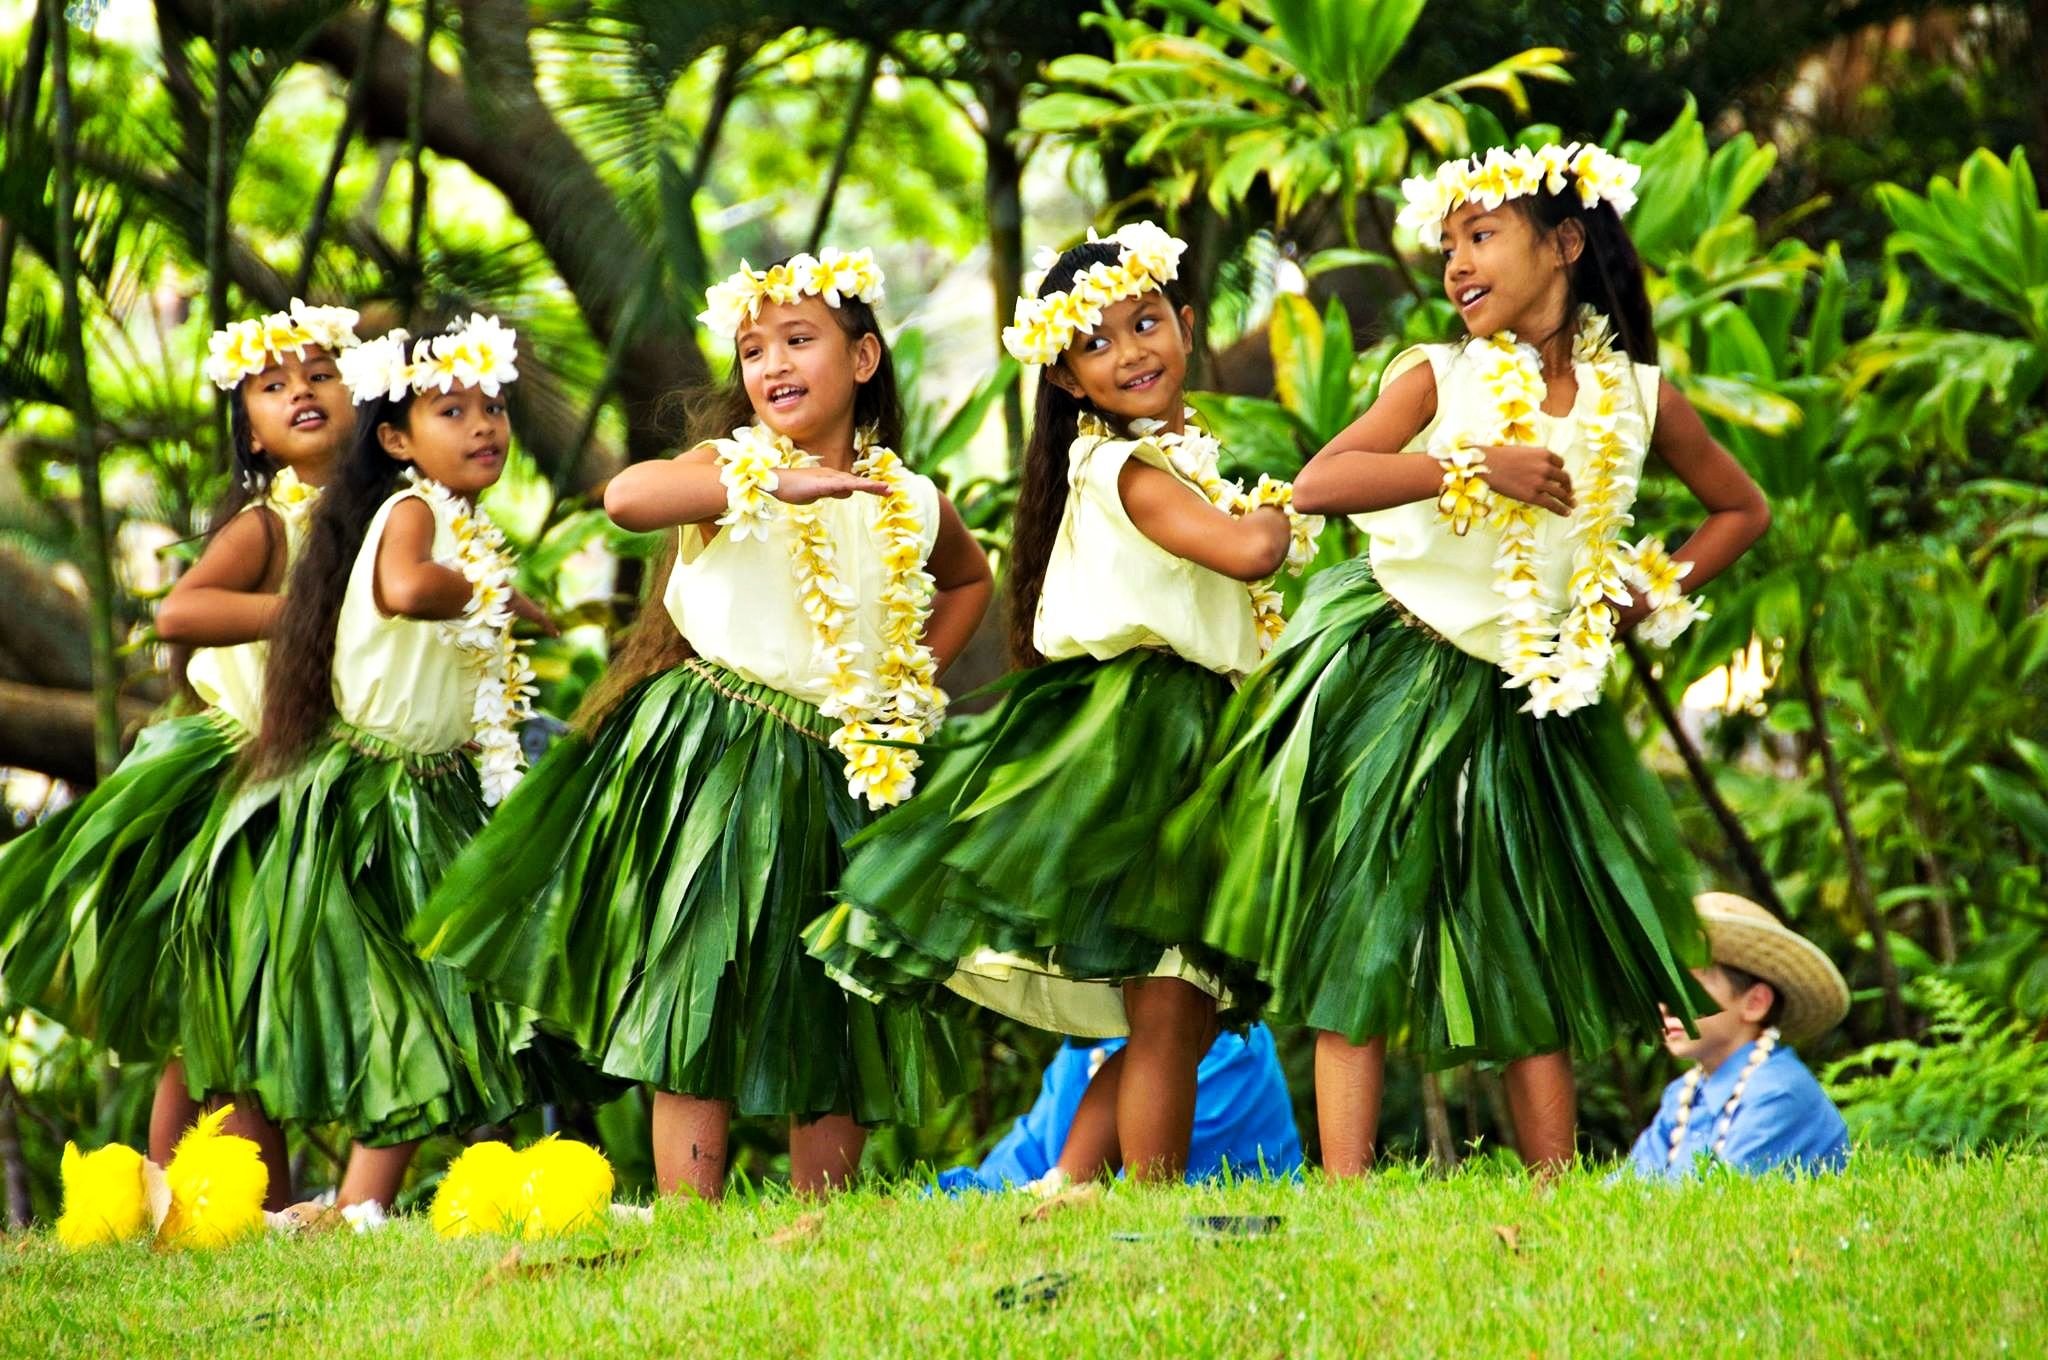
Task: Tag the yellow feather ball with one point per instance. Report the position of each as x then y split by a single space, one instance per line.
217 1183
567 1185
479 1191
104 1197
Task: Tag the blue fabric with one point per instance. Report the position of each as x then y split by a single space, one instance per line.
1243 1116
1784 1123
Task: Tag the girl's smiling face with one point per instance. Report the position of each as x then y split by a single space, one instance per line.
1135 364
458 438
801 370
299 412
1502 273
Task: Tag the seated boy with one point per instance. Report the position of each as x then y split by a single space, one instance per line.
1243 1118
1749 1102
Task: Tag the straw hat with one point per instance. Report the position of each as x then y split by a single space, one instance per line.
1744 935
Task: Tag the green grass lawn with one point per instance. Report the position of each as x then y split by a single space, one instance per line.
1895 1257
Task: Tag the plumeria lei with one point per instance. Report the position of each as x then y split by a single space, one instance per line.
1562 657
1148 257
245 348
479 352
483 633
832 274
899 701
1596 175
1195 454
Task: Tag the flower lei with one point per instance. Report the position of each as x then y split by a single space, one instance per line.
242 349
831 274
1596 175
900 701
1194 454
1148 257
483 634
1766 1042
1562 659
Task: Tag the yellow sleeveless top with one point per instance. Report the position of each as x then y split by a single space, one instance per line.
1108 588
396 678
1446 580
735 601
230 679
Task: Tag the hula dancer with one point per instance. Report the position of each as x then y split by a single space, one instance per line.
645 890
393 655
87 898
1028 876
1438 829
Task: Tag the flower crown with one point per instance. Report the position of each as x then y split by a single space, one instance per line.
478 352
832 275
1148 258
1499 175
245 348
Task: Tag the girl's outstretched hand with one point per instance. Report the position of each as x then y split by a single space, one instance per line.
1532 475
801 486
535 615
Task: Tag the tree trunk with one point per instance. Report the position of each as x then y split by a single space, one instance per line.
217 187
1852 846
863 93
415 150
13 1166
1003 201
1436 1121
351 114
99 572
1739 844
51 730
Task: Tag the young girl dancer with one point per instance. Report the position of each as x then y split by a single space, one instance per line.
1435 828
87 900
645 889
393 653
1028 876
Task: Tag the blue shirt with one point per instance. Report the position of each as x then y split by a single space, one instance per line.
1243 1116
1784 1123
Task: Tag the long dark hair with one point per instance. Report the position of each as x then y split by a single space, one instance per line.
298 679
1042 494
1608 275
652 644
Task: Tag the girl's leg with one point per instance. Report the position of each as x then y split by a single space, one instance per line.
374 1173
1350 1078
824 1153
1545 1106
1091 1147
249 1121
170 1113
689 1145
1172 1023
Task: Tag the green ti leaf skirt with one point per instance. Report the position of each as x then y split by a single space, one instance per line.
1406 854
643 890
86 895
295 979
1028 873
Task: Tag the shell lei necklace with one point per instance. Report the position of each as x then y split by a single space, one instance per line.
483 634
1195 455
899 702
1562 656
1761 1050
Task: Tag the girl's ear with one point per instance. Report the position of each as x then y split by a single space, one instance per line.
396 441
1571 241
1187 328
867 356
1062 377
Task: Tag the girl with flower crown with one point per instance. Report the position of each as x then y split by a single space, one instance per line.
644 890
90 897
1029 876
391 660
1435 827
